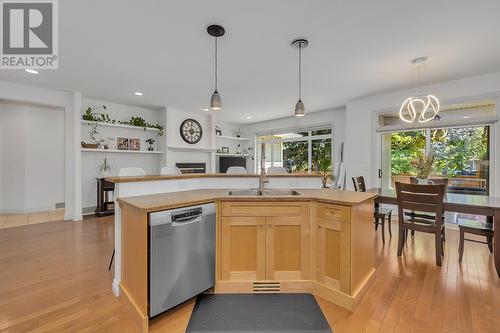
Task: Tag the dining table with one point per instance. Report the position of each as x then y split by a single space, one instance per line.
484 205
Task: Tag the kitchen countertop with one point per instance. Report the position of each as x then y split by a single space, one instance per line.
129 179
163 201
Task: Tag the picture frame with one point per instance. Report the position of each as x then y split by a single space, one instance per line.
122 143
225 150
135 144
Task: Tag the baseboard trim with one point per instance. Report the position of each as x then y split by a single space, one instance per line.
115 287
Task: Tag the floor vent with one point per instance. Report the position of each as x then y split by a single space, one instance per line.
266 287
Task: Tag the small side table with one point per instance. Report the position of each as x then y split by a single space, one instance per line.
105 206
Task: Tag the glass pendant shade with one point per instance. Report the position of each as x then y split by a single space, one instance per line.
300 109
215 101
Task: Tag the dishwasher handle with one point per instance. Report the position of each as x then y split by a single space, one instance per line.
186 220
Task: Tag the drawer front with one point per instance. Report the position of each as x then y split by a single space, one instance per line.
265 209
333 212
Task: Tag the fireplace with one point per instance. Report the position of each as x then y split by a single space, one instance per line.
192 167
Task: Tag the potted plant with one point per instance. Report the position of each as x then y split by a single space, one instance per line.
104 168
91 114
423 164
150 141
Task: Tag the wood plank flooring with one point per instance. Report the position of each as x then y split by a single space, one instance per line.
54 278
16 220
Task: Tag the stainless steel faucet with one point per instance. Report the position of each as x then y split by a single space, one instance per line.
262 178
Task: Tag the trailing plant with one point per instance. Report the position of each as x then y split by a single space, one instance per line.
140 122
423 164
93 132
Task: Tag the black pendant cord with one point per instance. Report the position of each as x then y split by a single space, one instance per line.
216 60
300 72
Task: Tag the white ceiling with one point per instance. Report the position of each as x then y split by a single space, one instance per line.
109 49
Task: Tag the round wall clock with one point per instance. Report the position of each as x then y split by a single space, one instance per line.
191 131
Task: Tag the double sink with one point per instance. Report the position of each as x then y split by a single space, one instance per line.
263 192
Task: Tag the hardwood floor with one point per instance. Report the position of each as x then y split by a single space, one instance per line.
54 278
16 220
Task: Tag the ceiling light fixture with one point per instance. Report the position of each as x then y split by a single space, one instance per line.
137 93
300 109
216 31
422 108
205 109
248 117
31 71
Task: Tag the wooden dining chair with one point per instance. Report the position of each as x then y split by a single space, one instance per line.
480 228
425 204
380 215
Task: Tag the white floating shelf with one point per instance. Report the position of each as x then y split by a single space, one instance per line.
100 123
191 149
121 151
231 138
232 155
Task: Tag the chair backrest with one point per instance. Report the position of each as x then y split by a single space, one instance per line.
421 198
438 181
237 170
131 171
276 170
359 184
170 170
413 180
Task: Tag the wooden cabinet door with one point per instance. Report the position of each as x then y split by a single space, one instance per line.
333 248
243 248
287 248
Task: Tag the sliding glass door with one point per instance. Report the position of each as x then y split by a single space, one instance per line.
461 156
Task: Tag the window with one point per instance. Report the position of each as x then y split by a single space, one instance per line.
299 152
461 155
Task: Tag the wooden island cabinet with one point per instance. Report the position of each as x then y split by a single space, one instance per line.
295 246
319 241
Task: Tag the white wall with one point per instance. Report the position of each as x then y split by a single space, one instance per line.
362 154
32 160
175 118
90 161
335 117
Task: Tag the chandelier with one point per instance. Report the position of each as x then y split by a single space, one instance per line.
421 108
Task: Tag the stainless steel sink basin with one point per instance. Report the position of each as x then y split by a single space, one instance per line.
244 192
280 192
263 192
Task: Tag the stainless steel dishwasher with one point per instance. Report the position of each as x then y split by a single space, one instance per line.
181 256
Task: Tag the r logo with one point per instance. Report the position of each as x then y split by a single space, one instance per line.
27 28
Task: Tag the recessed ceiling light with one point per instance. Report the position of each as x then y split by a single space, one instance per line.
138 93
466 117
205 109
248 117
31 71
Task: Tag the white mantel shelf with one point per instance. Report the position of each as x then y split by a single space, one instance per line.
232 138
191 149
232 155
121 151
100 123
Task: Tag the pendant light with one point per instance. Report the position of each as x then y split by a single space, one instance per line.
300 109
215 31
422 108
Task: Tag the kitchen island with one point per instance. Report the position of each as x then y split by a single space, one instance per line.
318 241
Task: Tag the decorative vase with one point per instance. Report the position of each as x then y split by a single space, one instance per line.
150 148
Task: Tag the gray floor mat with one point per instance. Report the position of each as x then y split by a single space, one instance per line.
262 313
